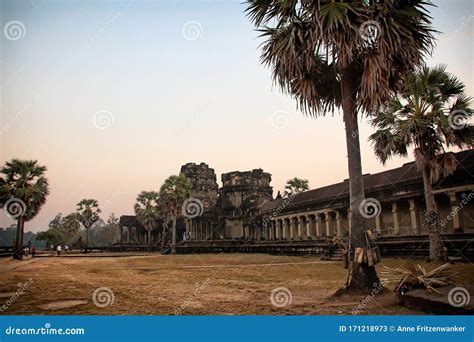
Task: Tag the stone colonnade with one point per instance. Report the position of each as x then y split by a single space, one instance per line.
198 229
307 225
398 217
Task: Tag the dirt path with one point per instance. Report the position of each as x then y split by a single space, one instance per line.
217 284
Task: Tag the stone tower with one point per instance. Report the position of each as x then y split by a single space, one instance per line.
204 182
240 197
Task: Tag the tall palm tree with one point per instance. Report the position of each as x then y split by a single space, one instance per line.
23 191
88 210
430 111
345 55
296 185
147 211
174 191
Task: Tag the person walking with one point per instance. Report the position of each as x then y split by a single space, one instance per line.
58 249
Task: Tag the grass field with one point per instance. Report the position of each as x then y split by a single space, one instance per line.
198 284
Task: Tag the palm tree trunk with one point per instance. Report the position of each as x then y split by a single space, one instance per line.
362 276
87 238
20 225
437 251
163 233
173 237
149 240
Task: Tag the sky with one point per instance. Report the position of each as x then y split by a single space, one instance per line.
114 96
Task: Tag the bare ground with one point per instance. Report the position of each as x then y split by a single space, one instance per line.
198 284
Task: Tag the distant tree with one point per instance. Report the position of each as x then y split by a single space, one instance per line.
112 220
429 112
174 191
88 210
51 237
296 185
70 225
146 210
23 191
56 221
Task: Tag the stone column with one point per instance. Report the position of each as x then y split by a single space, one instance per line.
300 225
283 229
413 216
455 210
338 223
292 228
317 220
378 222
277 230
188 228
201 233
396 226
308 228
328 223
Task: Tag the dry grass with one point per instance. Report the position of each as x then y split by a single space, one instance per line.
159 284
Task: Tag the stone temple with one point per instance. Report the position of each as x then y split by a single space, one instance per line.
244 209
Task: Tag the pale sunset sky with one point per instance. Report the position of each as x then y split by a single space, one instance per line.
114 96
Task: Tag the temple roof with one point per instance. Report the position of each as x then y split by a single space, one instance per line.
129 221
393 180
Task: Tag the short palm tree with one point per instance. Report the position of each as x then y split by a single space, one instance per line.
23 191
174 191
147 211
345 55
88 210
296 185
430 111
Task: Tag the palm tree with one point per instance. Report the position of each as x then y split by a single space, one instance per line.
174 191
88 210
24 189
295 186
147 211
345 55
430 111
